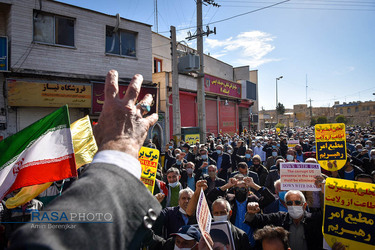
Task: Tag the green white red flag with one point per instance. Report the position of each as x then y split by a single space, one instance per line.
42 152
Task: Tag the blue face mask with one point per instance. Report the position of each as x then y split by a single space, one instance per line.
178 162
278 144
282 195
218 152
204 157
248 155
273 146
170 147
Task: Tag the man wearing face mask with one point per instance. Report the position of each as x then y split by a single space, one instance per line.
272 159
202 162
258 168
180 161
222 211
223 162
247 158
291 155
305 228
188 177
174 186
173 218
258 150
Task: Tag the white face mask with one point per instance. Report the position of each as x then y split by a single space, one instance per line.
295 211
221 218
367 146
189 170
359 150
184 248
230 151
174 184
274 154
290 157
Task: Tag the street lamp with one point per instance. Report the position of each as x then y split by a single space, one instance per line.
277 115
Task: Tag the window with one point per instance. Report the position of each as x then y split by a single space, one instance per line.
348 110
52 29
158 65
356 109
120 43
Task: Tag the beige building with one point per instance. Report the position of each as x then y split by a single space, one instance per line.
56 48
356 113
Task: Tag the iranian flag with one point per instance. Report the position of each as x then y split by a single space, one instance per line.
42 152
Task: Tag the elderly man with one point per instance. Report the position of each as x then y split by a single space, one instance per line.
188 177
221 211
213 181
174 187
173 218
305 228
258 168
244 170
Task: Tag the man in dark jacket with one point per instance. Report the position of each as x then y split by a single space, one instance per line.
171 219
222 211
202 162
258 168
223 162
305 228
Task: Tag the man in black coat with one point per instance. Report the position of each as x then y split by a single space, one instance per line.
223 162
106 185
305 228
202 162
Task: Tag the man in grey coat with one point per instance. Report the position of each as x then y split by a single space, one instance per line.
107 185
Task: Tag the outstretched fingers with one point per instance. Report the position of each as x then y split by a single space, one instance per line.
133 90
111 86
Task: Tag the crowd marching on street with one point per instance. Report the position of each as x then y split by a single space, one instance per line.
239 175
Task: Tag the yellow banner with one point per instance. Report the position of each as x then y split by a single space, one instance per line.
38 94
330 142
149 158
349 213
192 138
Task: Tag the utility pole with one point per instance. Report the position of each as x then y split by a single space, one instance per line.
175 88
310 108
156 22
200 79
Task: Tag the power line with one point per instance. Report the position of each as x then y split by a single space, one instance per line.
225 19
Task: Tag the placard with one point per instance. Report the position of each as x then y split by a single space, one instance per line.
192 139
349 213
299 176
292 143
203 215
330 142
149 158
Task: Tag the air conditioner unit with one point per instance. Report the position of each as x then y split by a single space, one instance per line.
188 63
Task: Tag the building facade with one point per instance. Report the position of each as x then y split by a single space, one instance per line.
230 93
59 54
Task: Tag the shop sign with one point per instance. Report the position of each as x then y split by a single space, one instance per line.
221 87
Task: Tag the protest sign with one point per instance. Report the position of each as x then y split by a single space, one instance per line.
203 215
299 176
349 213
330 140
192 138
221 235
149 158
292 143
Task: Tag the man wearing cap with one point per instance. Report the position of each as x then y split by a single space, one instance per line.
223 162
187 237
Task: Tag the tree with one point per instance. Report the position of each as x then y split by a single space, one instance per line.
280 109
341 119
321 120
312 121
280 125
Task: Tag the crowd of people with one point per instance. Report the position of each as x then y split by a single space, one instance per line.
240 176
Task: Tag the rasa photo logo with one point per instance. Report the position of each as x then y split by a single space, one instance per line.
70 217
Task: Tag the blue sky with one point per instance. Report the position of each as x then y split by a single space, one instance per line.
330 41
